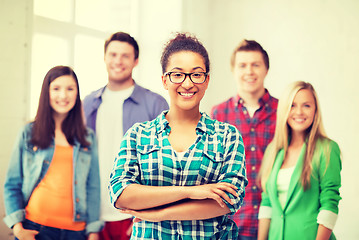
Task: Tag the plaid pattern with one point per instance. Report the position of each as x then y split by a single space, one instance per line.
257 132
146 157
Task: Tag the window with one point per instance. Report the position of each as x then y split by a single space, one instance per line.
72 32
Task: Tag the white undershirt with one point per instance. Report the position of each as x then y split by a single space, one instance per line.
180 155
283 180
252 110
325 217
109 131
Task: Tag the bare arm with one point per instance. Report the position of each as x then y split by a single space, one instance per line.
263 228
185 210
323 233
133 196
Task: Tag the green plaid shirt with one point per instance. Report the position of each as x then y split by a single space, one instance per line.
146 157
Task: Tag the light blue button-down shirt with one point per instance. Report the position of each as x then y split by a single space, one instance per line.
143 105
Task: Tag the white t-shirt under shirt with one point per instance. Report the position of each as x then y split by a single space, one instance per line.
109 131
251 110
325 217
283 180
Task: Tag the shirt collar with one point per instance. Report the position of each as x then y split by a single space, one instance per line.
100 92
264 100
136 95
161 122
205 123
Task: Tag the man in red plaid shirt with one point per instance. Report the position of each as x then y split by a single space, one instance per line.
253 112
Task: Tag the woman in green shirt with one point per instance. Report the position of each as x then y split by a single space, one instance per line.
300 173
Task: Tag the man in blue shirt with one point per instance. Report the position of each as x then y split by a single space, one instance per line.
110 111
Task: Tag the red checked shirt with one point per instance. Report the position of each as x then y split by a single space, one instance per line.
257 132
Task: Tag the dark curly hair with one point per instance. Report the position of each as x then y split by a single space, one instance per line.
184 42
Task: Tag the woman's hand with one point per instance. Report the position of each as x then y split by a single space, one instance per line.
215 191
93 236
22 233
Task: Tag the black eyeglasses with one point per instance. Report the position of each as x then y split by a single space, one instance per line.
179 77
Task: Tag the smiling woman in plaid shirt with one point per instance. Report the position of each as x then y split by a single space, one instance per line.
183 173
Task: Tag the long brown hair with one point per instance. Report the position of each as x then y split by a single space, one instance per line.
43 129
283 132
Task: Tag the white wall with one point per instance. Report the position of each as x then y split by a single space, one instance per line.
15 47
315 41
154 30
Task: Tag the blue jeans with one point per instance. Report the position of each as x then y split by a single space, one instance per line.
246 238
50 233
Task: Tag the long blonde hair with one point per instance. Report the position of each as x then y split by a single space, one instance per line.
282 134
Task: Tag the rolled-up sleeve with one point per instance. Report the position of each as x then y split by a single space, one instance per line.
13 196
126 168
93 189
330 182
234 168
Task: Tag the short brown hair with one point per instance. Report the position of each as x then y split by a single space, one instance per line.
123 37
247 46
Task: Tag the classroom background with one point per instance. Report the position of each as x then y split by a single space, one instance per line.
315 41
